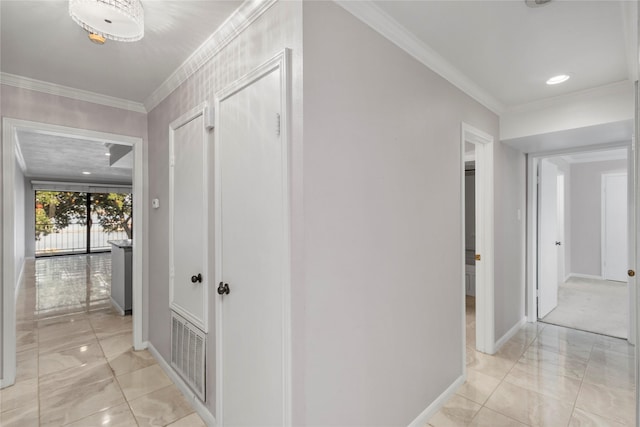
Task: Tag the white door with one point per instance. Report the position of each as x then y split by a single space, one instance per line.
614 227
252 228
561 233
548 238
187 218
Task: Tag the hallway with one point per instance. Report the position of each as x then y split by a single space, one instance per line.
545 375
75 364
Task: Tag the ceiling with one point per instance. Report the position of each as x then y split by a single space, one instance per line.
504 48
61 158
510 50
40 41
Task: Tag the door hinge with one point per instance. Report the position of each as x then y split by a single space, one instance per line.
537 293
172 161
277 124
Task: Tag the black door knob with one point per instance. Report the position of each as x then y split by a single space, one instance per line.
197 278
558 243
223 288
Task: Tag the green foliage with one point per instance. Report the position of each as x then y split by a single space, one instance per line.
55 210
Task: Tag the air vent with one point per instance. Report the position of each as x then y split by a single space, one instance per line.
188 345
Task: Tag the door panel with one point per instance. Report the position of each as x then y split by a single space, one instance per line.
253 247
548 235
188 226
614 233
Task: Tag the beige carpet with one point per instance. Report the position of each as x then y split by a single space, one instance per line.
599 306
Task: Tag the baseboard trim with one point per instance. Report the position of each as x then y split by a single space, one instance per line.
202 410
510 333
435 406
116 306
585 276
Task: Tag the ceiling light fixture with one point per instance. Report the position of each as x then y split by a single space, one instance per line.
120 20
561 78
97 38
86 173
107 154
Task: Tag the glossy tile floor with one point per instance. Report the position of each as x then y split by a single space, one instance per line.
545 375
76 366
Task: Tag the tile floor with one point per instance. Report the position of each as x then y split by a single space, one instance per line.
546 375
75 363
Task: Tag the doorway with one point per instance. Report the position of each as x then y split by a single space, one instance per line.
477 147
581 215
13 213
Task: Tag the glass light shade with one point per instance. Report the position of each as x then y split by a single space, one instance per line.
120 20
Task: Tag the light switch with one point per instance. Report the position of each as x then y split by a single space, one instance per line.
155 203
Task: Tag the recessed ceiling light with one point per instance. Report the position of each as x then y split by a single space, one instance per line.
107 154
86 173
561 78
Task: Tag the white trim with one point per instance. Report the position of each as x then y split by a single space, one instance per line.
395 32
422 419
187 117
280 61
9 129
240 19
485 305
70 92
510 333
8 255
585 276
117 307
603 219
197 404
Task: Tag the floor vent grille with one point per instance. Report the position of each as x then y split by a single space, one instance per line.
188 345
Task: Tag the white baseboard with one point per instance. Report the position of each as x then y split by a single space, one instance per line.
116 306
584 276
435 406
510 333
202 410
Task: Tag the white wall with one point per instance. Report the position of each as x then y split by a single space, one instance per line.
382 182
510 233
278 28
585 219
607 104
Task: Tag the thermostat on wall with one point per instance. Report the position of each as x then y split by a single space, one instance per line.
155 203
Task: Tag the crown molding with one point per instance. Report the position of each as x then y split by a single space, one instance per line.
245 15
623 86
69 92
391 29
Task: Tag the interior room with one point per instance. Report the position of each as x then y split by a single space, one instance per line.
591 241
302 250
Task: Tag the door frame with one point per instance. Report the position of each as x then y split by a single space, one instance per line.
282 61
533 160
197 111
485 316
603 233
10 127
